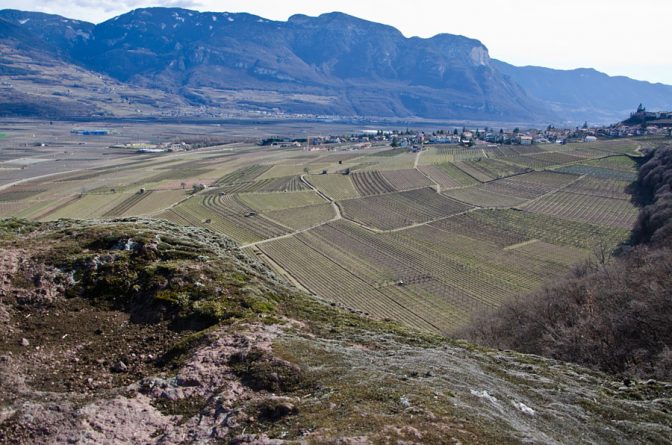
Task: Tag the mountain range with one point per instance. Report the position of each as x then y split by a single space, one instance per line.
163 61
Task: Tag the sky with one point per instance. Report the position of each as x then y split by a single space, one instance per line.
618 37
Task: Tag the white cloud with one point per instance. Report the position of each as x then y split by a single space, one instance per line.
615 36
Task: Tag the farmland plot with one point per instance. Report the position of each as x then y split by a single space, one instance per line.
484 169
178 173
12 208
555 158
606 188
407 179
446 276
614 146
337 187
19 193
399 162
479 197
282 184
620 163
585 208
447 175
88 206
540 161
509 227
225 215
528 186
371 183
395 210
244 174
381 264
264 202
436 155
126 204
303 217
157 201
548 179
282 171
599 172
331 281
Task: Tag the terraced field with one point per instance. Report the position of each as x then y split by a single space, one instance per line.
395 210
539 161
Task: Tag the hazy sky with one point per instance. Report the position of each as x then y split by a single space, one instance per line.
619 37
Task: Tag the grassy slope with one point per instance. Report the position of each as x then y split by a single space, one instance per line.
303 369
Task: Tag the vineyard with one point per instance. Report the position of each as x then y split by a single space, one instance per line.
466 230
395 210
337 187
263 202
620 163
510 227
407 179
586 208
484 169
281 184
19 193
225 214
126 204
371 183
447 175
480 197
244 174
599 172
303 217
606 188
443 278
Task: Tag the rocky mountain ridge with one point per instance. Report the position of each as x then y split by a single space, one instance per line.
333 64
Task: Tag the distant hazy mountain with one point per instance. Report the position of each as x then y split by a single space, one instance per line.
587 94
37 78
332 64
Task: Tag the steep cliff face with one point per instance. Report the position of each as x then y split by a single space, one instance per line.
141 332
332 64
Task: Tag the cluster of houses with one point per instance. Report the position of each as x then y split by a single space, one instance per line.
641 123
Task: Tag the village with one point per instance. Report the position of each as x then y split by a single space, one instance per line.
641 123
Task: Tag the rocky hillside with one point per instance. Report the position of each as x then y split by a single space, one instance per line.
586 94
138 332
333 64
